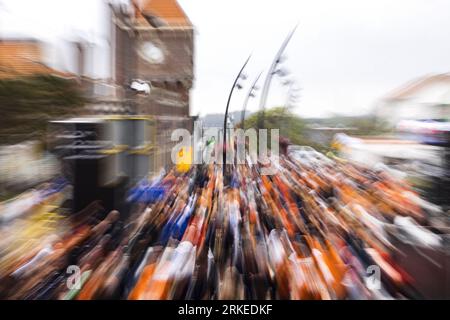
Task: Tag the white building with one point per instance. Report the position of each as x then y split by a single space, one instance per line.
422 99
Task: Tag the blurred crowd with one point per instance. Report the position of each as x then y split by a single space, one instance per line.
318 229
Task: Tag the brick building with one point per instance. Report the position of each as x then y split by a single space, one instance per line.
22 57
153 42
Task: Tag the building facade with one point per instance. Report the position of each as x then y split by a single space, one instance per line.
153 42
423 99
23 57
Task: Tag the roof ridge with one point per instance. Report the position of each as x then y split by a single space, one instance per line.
167 10
413 85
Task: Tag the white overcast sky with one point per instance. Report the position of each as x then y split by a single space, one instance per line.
344 56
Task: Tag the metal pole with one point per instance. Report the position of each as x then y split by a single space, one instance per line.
270 73
224 158
250 91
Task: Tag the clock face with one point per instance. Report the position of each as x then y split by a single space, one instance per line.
150 52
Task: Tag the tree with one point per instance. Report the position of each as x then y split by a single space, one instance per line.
369 125
27 104
290 125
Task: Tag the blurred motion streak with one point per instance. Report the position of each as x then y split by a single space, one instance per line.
92 206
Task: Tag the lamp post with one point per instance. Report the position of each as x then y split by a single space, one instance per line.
250 94
272 70
235 84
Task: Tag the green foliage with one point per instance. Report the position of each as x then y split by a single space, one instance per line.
27 104
369 126
290 125
298 130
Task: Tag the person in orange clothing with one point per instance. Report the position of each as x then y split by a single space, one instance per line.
139 289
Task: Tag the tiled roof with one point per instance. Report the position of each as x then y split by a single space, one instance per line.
169 11
20 58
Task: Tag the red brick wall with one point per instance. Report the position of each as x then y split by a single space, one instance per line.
175 74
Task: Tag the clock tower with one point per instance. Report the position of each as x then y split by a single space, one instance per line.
153 42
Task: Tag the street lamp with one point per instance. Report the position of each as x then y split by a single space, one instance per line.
274 69
250 94
239 86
